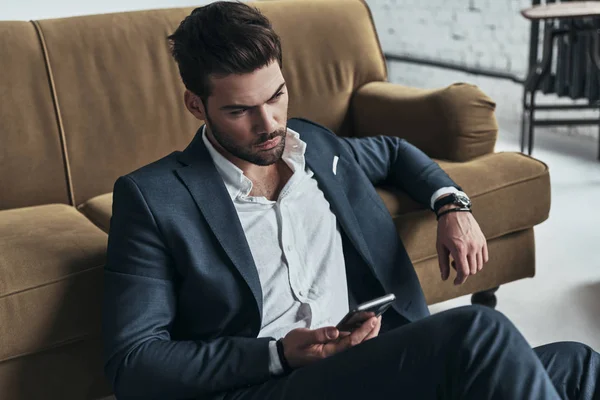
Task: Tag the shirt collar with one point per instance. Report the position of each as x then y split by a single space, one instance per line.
236 182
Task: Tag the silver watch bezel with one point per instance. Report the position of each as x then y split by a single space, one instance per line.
462 200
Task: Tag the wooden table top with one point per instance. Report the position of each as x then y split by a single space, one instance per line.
572 9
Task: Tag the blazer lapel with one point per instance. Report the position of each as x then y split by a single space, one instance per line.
322 166
208 190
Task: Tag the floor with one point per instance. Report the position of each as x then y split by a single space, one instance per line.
562 302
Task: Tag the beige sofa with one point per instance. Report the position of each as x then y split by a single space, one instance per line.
84 100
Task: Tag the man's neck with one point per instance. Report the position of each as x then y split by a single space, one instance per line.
270 180
267 180
259 173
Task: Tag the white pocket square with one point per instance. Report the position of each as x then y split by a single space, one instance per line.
335 162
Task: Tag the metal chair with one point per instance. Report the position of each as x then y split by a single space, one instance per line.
572 21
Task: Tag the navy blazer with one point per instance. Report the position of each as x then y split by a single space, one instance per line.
182 303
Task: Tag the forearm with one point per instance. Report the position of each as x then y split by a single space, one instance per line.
144 360
417 174
159 369
391 161
140 308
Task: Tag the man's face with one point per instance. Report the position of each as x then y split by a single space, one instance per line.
247 115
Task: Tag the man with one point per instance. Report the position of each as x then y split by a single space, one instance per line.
230 263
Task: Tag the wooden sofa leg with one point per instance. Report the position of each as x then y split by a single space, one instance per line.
486 298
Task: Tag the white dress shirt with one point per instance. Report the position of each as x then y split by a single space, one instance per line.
296 245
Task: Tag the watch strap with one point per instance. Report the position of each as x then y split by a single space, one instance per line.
459 198
462 209
284 362
444 201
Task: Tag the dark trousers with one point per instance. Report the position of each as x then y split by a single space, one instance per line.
469 352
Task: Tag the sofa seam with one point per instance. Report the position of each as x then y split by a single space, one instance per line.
514 183
374 30
452 133
61 128
62 278
93 219
454 146
496 236
75 339
475 196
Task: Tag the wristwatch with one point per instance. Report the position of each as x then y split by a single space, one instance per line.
460 199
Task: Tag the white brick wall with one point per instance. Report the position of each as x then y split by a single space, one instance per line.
479 33
489 34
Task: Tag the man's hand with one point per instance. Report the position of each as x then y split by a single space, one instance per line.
303 346
459 235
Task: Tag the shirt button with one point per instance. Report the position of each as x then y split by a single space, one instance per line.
288 248
301 293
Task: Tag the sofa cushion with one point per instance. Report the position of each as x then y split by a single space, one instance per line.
119 66
51 262
72 371
510 193
99 210
512 257
31 163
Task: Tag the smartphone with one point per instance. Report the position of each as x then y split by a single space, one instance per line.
364 311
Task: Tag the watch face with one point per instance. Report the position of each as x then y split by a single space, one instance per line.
463 200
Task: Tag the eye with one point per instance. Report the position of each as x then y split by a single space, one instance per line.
277 96
238 112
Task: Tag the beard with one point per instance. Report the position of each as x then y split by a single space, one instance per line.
250 153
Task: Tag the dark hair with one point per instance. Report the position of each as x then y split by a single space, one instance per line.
222 38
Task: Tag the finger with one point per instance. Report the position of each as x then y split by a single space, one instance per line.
328 350
364 330
443 260
375 331
480 260
472 258
462 267
319 336
486 257
358 335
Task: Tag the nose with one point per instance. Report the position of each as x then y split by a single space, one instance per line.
265 121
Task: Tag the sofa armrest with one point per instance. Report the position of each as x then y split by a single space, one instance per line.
455 123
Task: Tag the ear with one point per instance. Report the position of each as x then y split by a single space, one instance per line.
194 105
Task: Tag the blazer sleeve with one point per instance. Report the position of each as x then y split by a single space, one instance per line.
392 161
139 307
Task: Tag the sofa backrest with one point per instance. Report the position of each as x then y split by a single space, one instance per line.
31 159
121 98
119 94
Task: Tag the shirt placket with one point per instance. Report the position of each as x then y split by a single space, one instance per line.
289 249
